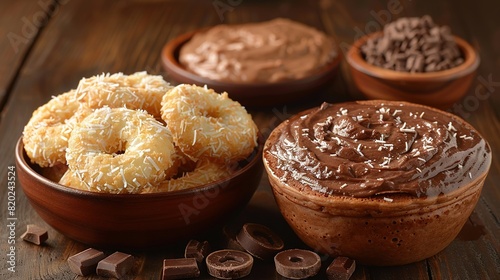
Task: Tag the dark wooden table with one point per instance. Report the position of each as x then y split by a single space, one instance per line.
46 46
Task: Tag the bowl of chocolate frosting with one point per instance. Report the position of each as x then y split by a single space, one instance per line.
382 182
259 63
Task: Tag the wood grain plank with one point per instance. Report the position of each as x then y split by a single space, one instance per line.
463 258
475 253
79 43
70 49
19 27
85 38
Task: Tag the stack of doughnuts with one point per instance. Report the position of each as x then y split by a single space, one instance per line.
138 134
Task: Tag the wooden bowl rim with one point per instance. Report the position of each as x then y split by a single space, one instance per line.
470 64
21 157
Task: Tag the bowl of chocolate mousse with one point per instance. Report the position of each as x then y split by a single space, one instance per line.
262 63
382 182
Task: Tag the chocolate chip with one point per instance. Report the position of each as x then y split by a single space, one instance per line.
180 268
383 45
387 56
432 50
85 262
418 65
410 62
404 45
341 268
447 54
399 65
400 57
260 241
414 23
434 31
401 24
229 264
413 43
427 21
35 234
455 52
431 67
115 265
398 37
297 263
407 38
443 65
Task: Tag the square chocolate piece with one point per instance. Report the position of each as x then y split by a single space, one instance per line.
341 268
85 262
35 234
197 250
115 265
180 268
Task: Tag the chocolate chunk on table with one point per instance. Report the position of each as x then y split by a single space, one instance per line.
259 241
297 263
35 234
341 268
230 239
180 268
85 262
115 265
197 250
229 264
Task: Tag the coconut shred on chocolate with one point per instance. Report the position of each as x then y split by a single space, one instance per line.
265 52
361 149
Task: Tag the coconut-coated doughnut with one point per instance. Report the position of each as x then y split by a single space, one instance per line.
205 172
205 124
119 150
46 135
73 180
136 91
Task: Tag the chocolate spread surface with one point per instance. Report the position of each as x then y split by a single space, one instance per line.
363 149
268 52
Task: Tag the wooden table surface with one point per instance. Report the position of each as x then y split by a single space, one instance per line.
47 46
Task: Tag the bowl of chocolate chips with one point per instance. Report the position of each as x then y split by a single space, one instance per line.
413 59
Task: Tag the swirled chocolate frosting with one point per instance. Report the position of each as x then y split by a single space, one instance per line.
270 51
363 149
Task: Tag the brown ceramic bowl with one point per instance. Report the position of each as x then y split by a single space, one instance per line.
439 89
373 230
248 94
137 220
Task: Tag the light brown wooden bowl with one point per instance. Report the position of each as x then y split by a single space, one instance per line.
137 221
440 89
248 94
371 230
